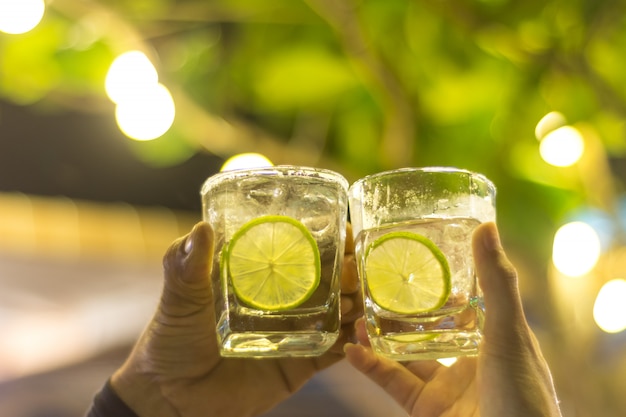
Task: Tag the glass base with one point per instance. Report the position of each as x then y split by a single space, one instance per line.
276 345
426 345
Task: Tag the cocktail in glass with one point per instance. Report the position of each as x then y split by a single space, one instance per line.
413 229
279 242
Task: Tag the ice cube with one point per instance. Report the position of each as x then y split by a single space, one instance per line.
316 214
263 194
456 244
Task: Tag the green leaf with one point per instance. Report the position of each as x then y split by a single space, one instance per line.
28 68
301 76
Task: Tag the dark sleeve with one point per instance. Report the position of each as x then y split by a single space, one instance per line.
106 403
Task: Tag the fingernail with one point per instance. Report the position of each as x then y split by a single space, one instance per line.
349 345
491 240
189 243
354 347
346 305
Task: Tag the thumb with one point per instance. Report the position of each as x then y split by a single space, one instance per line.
187 268
498 279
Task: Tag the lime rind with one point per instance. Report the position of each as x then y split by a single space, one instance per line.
273 262
407 273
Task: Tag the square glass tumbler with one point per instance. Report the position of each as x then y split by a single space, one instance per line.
412 230
279 245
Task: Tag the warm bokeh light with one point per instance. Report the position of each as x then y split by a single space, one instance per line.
130 74
549 123
576 249
148 115
562 147
20 16
609 310
602 222
245 161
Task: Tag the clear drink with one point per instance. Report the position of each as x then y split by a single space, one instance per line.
315 199
442 206
452 330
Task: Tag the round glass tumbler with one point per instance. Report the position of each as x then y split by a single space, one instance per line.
279 245
420 213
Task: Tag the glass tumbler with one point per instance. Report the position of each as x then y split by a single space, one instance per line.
412 229
279 245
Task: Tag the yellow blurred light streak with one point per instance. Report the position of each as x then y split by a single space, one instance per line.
58 303
562 147
148 115
130 75
246 161
65 229
609 309
59 237
576 249
20 16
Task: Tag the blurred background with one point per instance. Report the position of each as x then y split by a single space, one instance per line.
114 112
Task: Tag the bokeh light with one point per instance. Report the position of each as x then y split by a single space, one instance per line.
602 222
148 115
562 147
245 161
20 16
576 249
145 108
549 123
609 309
130 75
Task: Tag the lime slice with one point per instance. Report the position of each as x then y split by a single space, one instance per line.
273 263
407 273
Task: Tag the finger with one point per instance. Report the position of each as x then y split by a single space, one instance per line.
349 240
351 308
346 335
402 385
187 267
424 369
349 275
198 248
361 332
497 278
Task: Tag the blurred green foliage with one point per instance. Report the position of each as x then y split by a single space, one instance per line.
369 84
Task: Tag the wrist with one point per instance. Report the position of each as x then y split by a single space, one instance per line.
141 392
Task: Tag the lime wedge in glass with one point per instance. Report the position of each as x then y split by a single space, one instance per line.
273 263
407 273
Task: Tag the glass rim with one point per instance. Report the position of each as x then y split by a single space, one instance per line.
275 170
432 169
